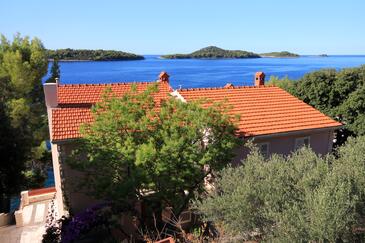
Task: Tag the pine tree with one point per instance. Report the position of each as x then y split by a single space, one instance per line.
55 72
23 117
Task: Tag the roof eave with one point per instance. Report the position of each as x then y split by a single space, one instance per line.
291 133
64 141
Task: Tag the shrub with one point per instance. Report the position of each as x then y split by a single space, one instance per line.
301 198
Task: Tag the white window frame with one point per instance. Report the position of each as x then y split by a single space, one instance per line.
300 142
267 153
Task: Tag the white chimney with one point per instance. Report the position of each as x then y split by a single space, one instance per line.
50 94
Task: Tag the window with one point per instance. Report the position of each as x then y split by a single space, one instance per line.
300 142
264 149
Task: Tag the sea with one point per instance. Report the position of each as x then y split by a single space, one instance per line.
195 73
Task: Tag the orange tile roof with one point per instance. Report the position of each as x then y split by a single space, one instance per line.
66 122
263 110
92 93
75 102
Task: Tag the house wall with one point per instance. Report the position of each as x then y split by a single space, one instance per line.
57 178
76 196
320 142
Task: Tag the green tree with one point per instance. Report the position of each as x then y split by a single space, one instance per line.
301 198
55 72
94 55
284 83
23 63
137 151
316 89
12 161
214 52
352 111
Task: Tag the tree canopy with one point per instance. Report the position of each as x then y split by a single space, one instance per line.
300 198
135 150
91 55
279 54
214 52
23 63
55 72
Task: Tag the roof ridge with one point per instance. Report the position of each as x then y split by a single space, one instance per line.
107 84
224 88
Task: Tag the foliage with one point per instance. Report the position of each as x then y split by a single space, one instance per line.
135 150
12 160
213 52
352 111
284 83
23 63
301 198
55 72
279 54
34 178
91 55
81 227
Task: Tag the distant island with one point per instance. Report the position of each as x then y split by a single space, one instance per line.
213 52
323 55
91 55
279 54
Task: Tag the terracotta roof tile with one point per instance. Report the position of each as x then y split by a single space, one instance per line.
263 110
75 102
66 122
92 93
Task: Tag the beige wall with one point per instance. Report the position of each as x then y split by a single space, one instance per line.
57 178
320 142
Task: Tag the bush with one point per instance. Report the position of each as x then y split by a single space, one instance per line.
90 225
301 198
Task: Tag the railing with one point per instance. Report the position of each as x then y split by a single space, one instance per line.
32 196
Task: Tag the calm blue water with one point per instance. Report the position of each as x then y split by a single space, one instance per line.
200 73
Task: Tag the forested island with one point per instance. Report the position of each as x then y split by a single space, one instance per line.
279 54
213 52
91 55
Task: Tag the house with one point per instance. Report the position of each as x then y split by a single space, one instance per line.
274 119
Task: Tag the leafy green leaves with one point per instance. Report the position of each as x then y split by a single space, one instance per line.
297 199
136 145
22 65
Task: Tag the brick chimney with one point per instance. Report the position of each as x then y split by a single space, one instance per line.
163 77
259 79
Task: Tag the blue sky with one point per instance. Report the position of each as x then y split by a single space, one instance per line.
168 26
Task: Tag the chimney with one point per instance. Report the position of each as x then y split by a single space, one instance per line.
163 77
259 79
50 94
